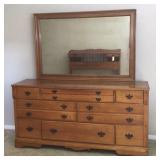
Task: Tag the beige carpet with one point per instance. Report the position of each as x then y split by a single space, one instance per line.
10 150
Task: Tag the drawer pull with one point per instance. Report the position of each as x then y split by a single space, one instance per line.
129 120
101 134
64 106
89 107
28 104
129 135
54 91
54 97
28 114
129 96
89 118
64 116
53 130
98 99
27 93
98 92
29 129
129 109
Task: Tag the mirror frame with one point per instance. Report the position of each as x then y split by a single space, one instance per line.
88 14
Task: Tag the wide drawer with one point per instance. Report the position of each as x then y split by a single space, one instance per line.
48 115
77 91
26 93
129 135
46 105
29 128
110 107
84 98
129 96
110 118
79 132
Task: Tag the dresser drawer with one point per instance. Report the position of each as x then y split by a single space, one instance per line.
29 128
79 132
27 93
83 98
45 105
110 107
129 96
77 91
110 118
48 115
129 135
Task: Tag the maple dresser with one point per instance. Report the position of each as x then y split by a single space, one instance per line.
82 115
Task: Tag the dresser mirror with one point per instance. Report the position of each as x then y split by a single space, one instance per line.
86 45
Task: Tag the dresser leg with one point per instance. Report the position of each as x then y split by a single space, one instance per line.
22 144
132 153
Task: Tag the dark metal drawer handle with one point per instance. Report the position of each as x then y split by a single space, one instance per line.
129 120
129 109
64 106
54 91
89 118
129 96
89 107
28 114
98 92
29 129
64 116
98 99
53 130
27 93
129 135
28 104
101 134
54 97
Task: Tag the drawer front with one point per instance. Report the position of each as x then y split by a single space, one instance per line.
129 96
29 128
110 108
84 98
79 132
110 118
77 91
48 115
129 135
46 105
27 93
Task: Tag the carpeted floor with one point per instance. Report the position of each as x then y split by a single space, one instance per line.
10 150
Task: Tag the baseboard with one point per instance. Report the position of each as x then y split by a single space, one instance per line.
12 127
9 127
152 136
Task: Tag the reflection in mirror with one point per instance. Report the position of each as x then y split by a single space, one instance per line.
85 46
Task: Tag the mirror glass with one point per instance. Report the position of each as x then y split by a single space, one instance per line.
85 46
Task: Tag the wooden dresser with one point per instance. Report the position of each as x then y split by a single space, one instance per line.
82 115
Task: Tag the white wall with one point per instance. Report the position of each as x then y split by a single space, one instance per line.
20 56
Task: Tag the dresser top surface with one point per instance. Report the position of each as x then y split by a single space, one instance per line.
75 84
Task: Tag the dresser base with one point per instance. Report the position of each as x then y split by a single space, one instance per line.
120 150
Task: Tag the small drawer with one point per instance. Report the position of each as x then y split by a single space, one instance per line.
45 105
110 108
29 128
129 135
77 91
48 115
27 93
110 118
74 98
129 96
78 132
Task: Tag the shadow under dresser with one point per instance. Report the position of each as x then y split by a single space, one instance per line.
82 115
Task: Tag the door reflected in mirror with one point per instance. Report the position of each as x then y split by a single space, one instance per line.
85 46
